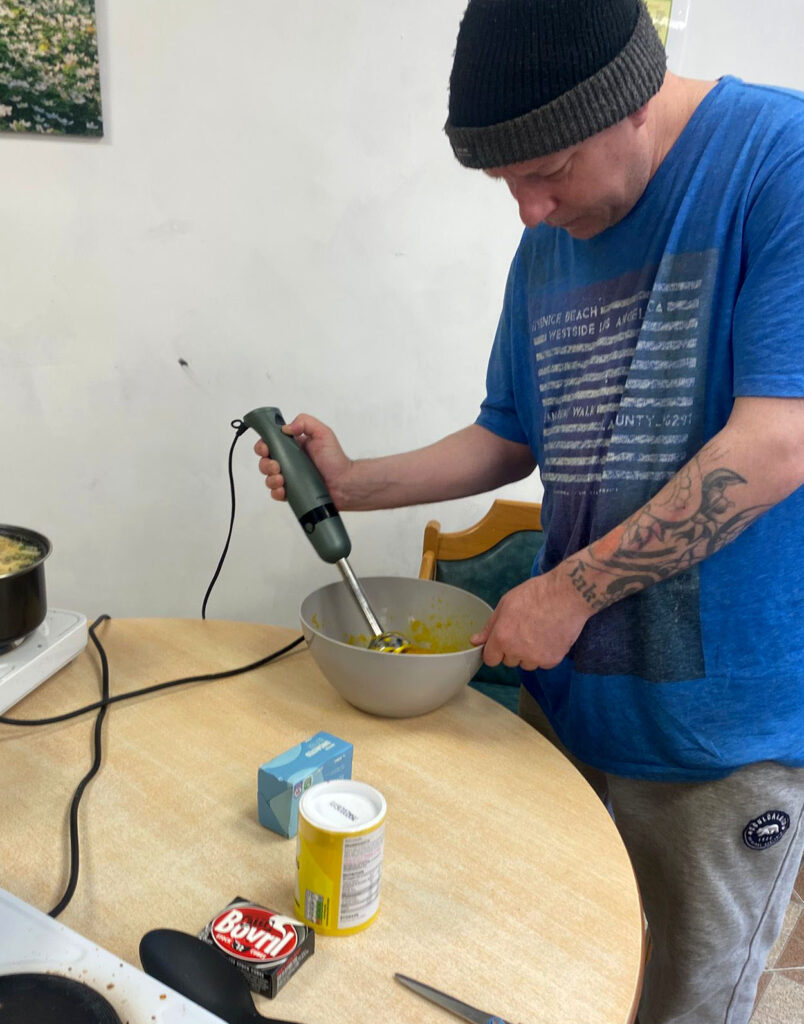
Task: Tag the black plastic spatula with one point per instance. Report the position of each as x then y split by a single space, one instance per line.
198 971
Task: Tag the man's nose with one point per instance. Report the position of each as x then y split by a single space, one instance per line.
535 203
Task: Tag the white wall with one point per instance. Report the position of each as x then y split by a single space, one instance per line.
274 202
759 42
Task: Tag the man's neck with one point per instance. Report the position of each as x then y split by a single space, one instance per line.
673 106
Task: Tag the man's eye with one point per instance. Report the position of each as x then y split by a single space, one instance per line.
558 173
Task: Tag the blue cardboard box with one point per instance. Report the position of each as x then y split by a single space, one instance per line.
281 782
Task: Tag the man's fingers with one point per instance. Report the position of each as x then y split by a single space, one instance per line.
492 654
304 424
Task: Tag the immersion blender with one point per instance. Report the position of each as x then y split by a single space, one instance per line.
308 497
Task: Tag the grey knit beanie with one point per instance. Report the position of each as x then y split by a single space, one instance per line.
531 77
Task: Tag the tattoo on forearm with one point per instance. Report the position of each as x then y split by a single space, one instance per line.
654 544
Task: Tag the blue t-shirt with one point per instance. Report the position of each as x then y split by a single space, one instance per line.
616 359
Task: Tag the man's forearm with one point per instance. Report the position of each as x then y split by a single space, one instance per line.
756 461
469 461
753 463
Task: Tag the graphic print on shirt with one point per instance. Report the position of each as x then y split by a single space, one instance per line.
621 371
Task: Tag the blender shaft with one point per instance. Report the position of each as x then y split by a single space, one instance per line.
359 595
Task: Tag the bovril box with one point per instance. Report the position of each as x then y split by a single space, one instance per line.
264 945
281 782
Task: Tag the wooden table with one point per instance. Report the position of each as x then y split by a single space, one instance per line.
504 880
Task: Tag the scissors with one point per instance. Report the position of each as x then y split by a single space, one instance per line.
449 1003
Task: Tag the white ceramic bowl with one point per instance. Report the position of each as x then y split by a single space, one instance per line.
395 685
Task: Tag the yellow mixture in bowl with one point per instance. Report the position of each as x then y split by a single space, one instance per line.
439 638
16 555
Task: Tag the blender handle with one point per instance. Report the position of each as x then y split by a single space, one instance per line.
304 486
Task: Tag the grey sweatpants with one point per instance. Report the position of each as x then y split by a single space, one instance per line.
715 863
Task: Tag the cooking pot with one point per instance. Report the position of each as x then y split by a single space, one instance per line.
23 600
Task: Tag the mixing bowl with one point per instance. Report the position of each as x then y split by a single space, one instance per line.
395 685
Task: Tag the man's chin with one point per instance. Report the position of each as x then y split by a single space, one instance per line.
582 229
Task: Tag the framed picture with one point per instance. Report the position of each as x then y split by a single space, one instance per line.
659 10
670 18
49 80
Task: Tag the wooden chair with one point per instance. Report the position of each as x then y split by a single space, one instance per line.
487 559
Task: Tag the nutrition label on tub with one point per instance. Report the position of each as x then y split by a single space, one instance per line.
360 878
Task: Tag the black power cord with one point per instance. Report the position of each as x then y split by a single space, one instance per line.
104 702
240 428
101 705
72 880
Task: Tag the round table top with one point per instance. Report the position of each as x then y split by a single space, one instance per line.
504 882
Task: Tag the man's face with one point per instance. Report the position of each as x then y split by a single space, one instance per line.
587 188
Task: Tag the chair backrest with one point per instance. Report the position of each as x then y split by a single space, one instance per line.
488 559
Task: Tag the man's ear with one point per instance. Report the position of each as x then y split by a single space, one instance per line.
639 117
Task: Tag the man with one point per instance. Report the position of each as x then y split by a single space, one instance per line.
648 359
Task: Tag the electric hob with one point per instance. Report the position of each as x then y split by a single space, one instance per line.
61 637
33 943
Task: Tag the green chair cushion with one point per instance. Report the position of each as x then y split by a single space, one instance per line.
490 575
503 693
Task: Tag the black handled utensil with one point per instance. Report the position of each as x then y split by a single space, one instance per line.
460 1009
199 972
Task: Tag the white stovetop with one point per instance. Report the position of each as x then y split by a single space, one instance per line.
32 941
61 636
